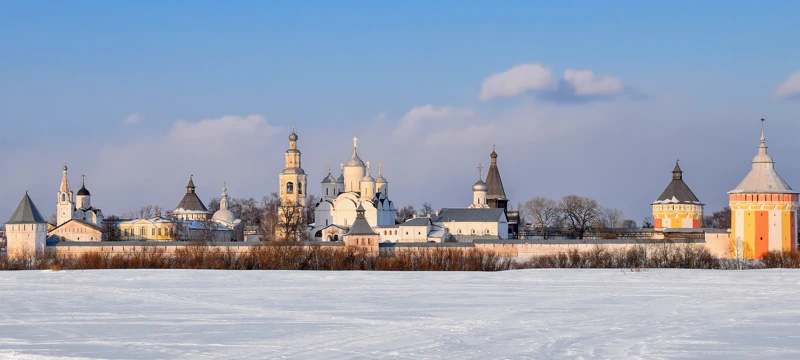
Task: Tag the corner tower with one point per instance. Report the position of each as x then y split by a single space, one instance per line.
763 209
677 207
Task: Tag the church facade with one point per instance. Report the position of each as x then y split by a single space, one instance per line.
342 197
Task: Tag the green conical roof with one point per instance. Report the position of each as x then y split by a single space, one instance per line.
26 213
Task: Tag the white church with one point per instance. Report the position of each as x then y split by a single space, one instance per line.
341 197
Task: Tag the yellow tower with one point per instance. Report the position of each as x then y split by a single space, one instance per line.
763 210
293 189
677 207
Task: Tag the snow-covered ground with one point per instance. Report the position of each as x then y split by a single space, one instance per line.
149 314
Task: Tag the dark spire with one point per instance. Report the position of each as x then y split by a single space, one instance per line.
190 186
83 190
493 180
677 173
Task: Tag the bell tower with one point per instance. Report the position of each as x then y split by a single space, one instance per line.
293 191
66 200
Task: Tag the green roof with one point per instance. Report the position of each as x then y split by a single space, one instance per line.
26 213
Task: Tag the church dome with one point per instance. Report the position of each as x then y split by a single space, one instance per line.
381 179
340 179
368 178
355 161
83 191
329 179
224 215
480 186
292 136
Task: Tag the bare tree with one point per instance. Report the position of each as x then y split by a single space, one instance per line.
426 209
542 211
110 229
311 205
647 222
53 219
629 224
268 216
291 222
722 218
610 219
404 213
579 212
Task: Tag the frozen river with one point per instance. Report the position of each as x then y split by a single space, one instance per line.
193 314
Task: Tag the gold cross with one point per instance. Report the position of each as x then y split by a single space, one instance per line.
480 171
355 142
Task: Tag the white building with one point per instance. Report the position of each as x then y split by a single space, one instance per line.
26 231
224 217
355 187
79 207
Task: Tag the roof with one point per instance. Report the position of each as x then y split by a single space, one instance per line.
493 181
26 213
762 177
470 215
191 202
420 221
361 227
79 222
677 192
83 191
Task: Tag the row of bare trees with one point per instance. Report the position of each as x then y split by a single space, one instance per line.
577 213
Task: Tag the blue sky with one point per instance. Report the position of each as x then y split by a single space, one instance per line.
696 78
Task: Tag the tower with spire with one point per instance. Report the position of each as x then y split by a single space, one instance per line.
293 192
65 207
292 179
677 207
763 209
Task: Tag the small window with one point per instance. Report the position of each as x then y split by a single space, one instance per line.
300 187
459 231
153 232
290 188
473 231
487 231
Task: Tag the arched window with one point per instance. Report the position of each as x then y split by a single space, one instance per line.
487 231
459 231
335 237
473 231
290 188
159 231
326 191
142 231
395 232
153 232
300 187
124 232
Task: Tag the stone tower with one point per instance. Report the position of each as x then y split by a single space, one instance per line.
763 209
677 207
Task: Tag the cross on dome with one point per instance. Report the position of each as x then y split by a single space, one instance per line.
480 171
355 142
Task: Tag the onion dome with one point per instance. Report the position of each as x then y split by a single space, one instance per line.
480 186
329 179
368 177
83 191
355 160
292 136
380 179
340 179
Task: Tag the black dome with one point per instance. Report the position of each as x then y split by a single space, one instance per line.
83 191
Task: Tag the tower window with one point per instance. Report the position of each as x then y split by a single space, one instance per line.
290 188
300 187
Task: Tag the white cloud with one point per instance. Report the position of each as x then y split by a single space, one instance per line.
132 119
414 117
574 84
517 81
789 88
585 83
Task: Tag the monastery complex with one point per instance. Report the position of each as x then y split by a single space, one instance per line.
355 209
